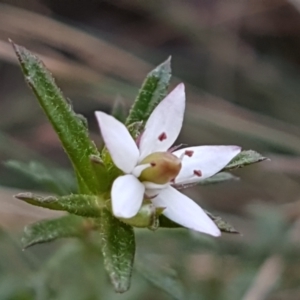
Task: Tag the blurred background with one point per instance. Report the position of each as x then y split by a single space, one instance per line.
240 62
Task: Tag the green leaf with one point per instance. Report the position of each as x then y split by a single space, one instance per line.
118 244
245 158
119 110
49 230
81 205
218 178
135 129
118 248
69 127
224 226
48 179
153 90
161 276
101 172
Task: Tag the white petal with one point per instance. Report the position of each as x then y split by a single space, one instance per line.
118 141
153 189
164 124
127 196
184 211
209 160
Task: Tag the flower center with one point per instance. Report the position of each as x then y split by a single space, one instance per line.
163 167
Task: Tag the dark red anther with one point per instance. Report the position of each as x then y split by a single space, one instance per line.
189 153
162 136
153 164
198 173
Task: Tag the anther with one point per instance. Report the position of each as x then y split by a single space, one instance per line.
189 153
162 136
198 173
153 164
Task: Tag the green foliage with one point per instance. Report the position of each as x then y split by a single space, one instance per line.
49 230
77 204
222 225
227 268
90 208
161 276
69 127
101 173
118 249
74 137
245 158
47 179
218 178
153 90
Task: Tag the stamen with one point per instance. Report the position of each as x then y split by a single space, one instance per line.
153 164
174 148
198 173
189 153
162 136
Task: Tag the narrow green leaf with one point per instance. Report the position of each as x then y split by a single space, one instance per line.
218 178
118 248
161 276
153 90
135 129
245 158
69 127
49 230
118 245
48 179
224 226
101 172
119 110
82 187
81 205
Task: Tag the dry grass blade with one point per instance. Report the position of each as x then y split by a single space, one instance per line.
63 69
266 279
95 52
13 22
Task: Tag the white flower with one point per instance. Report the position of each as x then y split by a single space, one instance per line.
191 165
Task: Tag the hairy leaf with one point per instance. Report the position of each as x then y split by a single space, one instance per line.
245 158
118 248
48 179
218 178
49 230
222 225
69 127
153 90
81 205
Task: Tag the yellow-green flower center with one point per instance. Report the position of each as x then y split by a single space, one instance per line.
164 167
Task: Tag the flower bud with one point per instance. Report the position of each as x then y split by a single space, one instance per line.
164 167
147 216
